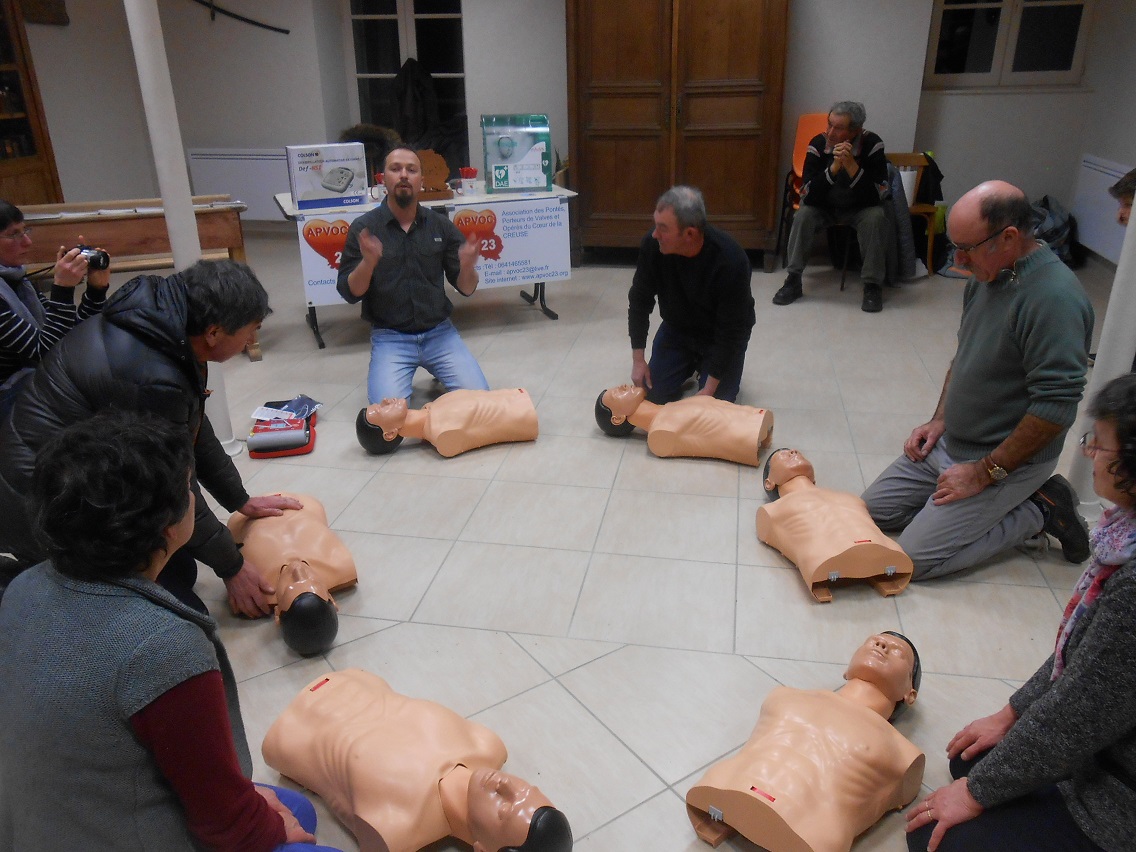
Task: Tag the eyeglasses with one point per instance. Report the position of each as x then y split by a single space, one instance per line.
1090 447
16 236
970 249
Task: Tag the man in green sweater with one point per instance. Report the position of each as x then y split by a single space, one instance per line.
976 478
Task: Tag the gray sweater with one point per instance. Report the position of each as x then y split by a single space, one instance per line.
78 659
1022 349
1079 731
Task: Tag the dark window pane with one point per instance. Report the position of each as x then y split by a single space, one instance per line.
1047 38
437 7
966 41
374 7
376 47
451 96
440 45
378 102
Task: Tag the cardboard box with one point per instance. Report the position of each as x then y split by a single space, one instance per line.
518 153
327 176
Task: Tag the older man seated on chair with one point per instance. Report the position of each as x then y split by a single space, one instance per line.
844 181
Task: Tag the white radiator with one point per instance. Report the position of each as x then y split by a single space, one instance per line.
1095 210
252 175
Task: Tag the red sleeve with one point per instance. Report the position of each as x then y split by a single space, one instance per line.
187 731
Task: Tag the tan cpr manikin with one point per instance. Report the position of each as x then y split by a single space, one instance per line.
298 555
460 420
296 552
698 426
827 534
399 772
820 767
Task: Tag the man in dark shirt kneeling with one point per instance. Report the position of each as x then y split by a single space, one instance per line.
396 261
701 278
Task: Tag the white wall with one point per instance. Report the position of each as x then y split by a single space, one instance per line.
236 86
516 60
870 51
1030 139
1110 74
239 86
1035 139
89 87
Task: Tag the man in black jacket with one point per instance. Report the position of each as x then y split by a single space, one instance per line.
701 279
148 351
843 181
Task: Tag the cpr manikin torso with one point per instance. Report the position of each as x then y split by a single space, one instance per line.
827 534
298 554
455 422
698 426
819 768
384 762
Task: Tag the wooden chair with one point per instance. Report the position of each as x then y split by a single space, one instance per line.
929 212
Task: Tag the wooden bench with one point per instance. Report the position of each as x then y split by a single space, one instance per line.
133 231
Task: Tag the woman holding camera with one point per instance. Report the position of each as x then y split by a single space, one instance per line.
119 721
31 324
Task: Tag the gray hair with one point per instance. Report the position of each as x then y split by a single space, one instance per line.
688 205
1006 209
855 111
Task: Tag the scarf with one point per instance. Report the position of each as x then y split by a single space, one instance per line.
1113 543
18 293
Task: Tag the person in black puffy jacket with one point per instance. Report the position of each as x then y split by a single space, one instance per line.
148 351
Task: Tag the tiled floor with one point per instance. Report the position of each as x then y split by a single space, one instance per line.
611 614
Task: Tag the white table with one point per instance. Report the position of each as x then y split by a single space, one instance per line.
523 236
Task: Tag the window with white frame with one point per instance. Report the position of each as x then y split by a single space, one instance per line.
388 32
1007 42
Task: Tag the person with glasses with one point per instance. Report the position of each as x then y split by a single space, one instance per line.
1056 767
30 323
976 479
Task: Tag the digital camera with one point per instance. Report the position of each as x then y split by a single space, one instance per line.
96 258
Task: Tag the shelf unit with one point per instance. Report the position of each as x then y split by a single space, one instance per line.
27 162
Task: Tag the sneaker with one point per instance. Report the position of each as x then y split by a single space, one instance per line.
1058 503
790 291
873 299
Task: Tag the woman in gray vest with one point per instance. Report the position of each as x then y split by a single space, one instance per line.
30 323
119 722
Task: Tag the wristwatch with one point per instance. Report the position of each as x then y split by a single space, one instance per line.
996 471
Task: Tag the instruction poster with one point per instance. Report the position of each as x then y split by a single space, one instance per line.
521 241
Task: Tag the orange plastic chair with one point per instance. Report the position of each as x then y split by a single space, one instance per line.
808 126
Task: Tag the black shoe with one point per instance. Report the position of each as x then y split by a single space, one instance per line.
873 299
790 291
1058 503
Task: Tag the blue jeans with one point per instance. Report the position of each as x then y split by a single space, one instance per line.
305 814
675 357
395 355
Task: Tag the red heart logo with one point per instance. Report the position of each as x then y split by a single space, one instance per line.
480 223
327 239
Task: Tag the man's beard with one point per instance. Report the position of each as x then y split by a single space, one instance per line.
403 196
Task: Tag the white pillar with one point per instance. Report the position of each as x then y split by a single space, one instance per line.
1114 353
173 179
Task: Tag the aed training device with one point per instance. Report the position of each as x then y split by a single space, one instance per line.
327 176
270 439
518 152
338 179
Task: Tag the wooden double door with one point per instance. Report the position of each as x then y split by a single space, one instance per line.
662 92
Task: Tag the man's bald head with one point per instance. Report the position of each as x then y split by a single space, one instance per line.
995 204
